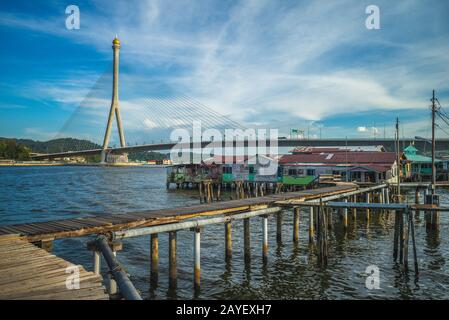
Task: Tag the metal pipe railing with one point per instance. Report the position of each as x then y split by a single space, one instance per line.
127 289
191 224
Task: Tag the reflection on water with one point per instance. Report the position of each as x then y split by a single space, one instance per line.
291 272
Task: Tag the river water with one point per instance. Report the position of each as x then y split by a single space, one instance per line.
29 194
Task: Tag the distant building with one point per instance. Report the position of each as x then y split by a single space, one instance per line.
360 166
334 149
419 167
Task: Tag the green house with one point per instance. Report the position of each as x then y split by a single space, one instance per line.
416 165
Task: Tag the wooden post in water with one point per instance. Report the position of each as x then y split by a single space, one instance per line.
345 215
279 227
354 210
228 241
406 240
396 235
265 238
417 202
367 210
246 240
154 256
172 259
311 225
412 230
197 258
322 217
401 236
296 212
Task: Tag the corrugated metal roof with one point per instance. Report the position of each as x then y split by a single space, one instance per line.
358 157
304 149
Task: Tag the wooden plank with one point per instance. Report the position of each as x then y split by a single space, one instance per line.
28 272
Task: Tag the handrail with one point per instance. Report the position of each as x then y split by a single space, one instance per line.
127 289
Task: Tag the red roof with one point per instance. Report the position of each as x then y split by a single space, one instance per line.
307 149
358 157
225 159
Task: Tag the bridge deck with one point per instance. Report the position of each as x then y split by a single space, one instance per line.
93 225
28 272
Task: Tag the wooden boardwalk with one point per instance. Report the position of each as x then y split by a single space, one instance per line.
47 231
28 272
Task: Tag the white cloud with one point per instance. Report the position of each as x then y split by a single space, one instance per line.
267 57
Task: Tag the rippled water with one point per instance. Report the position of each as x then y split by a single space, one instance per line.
43 193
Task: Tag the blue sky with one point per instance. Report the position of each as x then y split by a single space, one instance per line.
283 64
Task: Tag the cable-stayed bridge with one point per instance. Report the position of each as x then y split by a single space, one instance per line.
159 114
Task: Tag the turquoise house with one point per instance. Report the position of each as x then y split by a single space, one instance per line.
418 166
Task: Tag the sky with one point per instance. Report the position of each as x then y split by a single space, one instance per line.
308 65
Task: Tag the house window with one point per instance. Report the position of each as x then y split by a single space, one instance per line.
292 172
310 172
251 169
227 170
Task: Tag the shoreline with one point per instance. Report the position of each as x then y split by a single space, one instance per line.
58 164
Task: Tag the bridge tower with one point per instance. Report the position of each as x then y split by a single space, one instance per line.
114 110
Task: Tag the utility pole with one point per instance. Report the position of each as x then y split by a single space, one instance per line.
432 218
398 160
433 144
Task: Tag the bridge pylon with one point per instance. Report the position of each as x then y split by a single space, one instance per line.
105 157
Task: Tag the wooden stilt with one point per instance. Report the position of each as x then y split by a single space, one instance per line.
311 224
279 227
154 259
406 241
296 217
396 235
415 257
247 240
368 198
345 216
401 236
228 241
197 258
265 238
322 217
354 210
172 259
417 202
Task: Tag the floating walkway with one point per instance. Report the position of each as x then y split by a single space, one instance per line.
28 272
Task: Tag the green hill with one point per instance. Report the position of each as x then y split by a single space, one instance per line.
20 148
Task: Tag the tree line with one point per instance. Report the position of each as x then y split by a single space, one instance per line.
10 149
